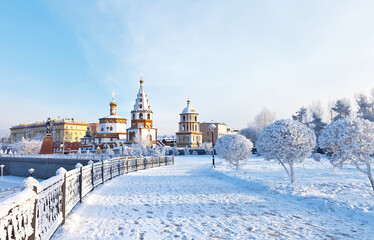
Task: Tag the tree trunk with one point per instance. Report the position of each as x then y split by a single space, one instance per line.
285 168
370 174
292 172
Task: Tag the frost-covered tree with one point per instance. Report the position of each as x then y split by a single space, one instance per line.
251 133
286 141
342 108
28 146
365 107
301 115
174 151
261 120
158 151
264 118
350 141
208 148
235 149
317 123
186 150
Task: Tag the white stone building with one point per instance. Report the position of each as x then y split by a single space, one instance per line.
141 129
111 128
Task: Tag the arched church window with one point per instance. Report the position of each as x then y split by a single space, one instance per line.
196 128
195 118
183 128
102 129
140 115
184 118
133 116
141 106
111 128
149 116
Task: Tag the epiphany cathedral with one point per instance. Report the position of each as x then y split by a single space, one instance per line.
113 128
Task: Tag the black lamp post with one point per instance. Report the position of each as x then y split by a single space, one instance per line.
212 127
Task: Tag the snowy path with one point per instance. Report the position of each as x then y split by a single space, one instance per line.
191 201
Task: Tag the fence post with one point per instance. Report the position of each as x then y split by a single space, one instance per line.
33 223
119 167
136 164
159 164
145 160
111 168
92 176
127 165
102 166
81 185
166 161
63 202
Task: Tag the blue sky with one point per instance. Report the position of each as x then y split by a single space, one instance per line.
231 58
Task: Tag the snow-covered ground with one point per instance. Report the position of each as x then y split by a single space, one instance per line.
9 185
191 201
345 188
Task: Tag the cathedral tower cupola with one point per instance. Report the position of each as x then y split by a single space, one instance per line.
113 105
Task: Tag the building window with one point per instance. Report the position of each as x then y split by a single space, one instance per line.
149 116
140 115
195 118
133 116
184 118
111 128
196 128
141 106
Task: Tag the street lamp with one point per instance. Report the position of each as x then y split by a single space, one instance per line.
212 127
31 170
2 170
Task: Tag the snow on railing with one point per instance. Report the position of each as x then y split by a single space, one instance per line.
59 156
39 209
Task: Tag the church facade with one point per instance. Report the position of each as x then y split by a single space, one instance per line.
113 131
189 128
111 128
141 129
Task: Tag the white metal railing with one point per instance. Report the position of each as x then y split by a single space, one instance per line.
38 210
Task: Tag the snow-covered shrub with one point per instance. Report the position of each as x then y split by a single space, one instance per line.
235 149
286 141
350 141
186 150
110 151
317 157
174 151
29 146
194 152
208 148
158 151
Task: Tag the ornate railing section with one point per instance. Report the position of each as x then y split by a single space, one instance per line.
37 211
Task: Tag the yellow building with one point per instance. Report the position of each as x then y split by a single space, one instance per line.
64 130
189 130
